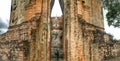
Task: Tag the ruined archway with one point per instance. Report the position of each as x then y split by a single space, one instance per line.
33 33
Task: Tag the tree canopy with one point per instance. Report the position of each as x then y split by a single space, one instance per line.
113 15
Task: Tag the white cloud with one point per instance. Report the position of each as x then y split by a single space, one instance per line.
5 6
3 31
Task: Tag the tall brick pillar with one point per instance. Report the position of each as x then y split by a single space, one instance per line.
73 31
40 45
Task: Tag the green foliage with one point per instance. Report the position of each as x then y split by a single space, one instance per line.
113 15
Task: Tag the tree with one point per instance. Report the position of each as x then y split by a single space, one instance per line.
113 15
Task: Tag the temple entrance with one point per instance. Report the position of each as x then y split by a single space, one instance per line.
56 46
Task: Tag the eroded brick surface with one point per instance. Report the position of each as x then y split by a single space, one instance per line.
31 29
15 44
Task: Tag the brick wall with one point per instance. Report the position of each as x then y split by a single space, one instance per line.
15 45
91 11
32 8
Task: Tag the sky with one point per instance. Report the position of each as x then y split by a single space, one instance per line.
111 30
56 11
5 6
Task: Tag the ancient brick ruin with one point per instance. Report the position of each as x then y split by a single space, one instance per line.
78 35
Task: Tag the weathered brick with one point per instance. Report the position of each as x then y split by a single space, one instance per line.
80 31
